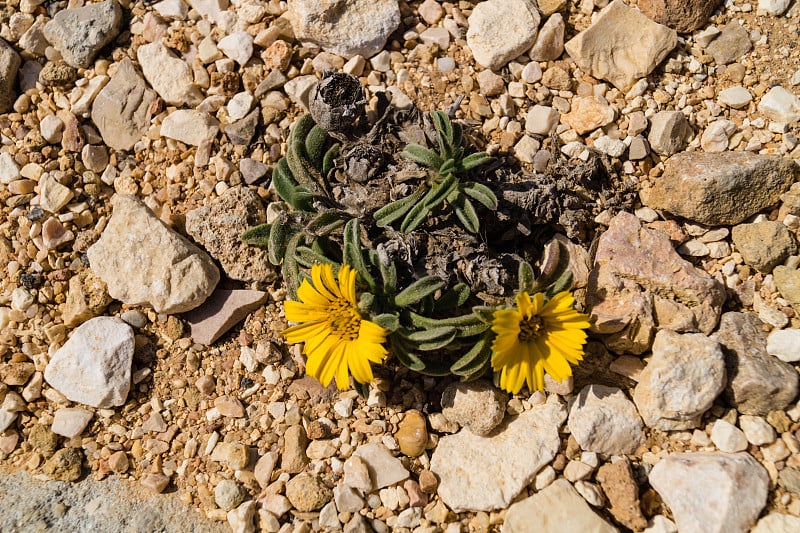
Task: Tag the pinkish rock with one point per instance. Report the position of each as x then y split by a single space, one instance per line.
640 284
223 310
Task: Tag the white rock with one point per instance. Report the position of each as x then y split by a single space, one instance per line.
531 73
438 36
6 419
328 517
172 9
210 9
240 105
237 46
681 381
169 75
347 29
715 137
555 509
189 126
52 195
610 146
144 262
711 492
727 437
757 430
784 344
471 476
526 148
541 120
603 420
70 421
780 105
736 97
299 89
94 365
9 170
550 42
774 7
777 523
347 499
500 30
51 127
241 518
384 468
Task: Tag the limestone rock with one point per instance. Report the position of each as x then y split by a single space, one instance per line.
644 282
224 309
777 523
731 44
70 421
384 469
681 381
669 132
472 477
476 405
712 492
169 75
609 50
784 344
780 105
9 65
551 509
500 30
144 262
588 113
307 493
757 382
295 442
65 465
218 227
603 420
764 245
190 126
684 16
94 365
79 33
550 42
347 29
719 189
787 280
121 111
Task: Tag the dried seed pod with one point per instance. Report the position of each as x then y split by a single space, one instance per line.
337 103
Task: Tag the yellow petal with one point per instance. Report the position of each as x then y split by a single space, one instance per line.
304 332
342 375
310 296
318 274
300 312
371 332
358 363
347 284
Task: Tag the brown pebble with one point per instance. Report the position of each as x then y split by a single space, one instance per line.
428 482
623 494
413 434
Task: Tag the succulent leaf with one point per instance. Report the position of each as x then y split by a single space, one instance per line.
418 290
422 155
453 297
465 212
393 211
257 236
415 217
315 145
278 238
481 193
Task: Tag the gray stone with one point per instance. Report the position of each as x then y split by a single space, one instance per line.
631 296
719 189
764 245
554 509
789 478
603 420
79 33
347 29
757 382
241 132
476 405
669 132
384 469
144 262
9 65
550 42
219 226
169 75
94 365
486 473
712 492
609 50
500 30
684 376
228 494
220 312
732 43
122 109
252 170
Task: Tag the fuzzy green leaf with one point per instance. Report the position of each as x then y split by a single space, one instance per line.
418 214
278 237
563 283
474 160
466 325
465 212
422 155
290 269
453 297
431 339
315 143
418 290
309 257
352 252
302 169
325 223
481 193
283 182
328 159
440 192
257 236
393 211
473 362
525 275
388 276
484 313
444 133
388 321
302 128
408 359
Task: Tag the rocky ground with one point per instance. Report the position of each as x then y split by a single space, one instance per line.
140 339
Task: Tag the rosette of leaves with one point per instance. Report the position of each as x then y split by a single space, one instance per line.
444 185
299 236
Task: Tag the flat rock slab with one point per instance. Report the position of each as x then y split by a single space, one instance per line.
483 473
719 189
384 469
94 365
79 33
640 284
609 50
604 420
144 262
555 509
712 492
121 111
223 310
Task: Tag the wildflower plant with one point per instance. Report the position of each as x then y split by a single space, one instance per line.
355 304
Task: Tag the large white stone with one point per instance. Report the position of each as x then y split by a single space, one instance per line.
780 105
144 262
483 473
190 126
784 344
237 46
70 421
94 365
500 30
774 7
777 523
169 75
604 420
712 492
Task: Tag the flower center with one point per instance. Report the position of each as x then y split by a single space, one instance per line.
530 328
343 320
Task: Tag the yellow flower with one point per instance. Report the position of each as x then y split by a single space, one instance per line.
535 338
337 339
